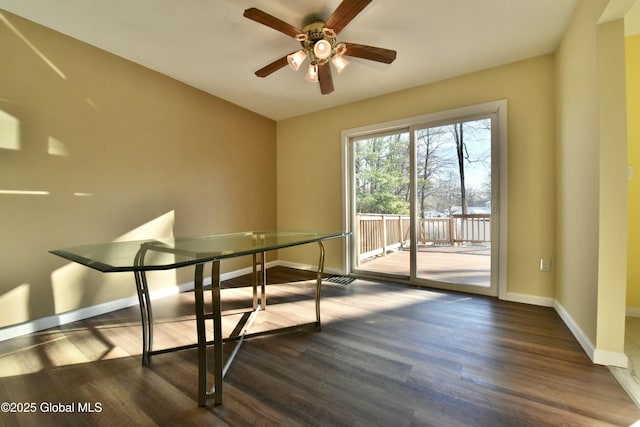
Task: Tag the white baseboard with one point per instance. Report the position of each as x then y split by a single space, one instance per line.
629 384
610 358
633 311
528 299
82 313
597 355
107 307
577 332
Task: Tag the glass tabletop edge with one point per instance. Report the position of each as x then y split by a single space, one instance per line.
108 268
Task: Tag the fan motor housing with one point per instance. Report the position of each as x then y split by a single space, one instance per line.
315 32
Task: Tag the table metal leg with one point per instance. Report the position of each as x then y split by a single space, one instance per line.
216 316
259 278
217 332
202 335
146 314
254 281
319 282
263 282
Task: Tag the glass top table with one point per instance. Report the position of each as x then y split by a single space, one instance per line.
169 253
141 256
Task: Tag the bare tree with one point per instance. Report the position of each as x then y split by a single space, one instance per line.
430 163
461 151
477 128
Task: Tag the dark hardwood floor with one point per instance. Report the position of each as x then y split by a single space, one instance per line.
387 355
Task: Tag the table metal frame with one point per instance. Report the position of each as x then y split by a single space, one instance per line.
259 279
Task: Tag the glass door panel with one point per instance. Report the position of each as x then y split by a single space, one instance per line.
382 190
453 202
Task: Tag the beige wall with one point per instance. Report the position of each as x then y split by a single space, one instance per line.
592 202
612 215
632 20
578 166
116 150
309 160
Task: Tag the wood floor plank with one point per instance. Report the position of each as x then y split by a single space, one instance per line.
387 355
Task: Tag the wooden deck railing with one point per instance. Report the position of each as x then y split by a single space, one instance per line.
378 234
381 233
472 228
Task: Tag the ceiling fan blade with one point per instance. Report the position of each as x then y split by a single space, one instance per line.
272 22
273 67
347 10
324 77
371 53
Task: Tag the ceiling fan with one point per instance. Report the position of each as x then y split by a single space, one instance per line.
319 43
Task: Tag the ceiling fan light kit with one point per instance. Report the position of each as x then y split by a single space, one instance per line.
319 43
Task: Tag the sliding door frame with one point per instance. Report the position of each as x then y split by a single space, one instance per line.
497 109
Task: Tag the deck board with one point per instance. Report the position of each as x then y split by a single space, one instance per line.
460 265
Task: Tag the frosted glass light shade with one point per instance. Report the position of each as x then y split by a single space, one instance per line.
312 73
340 63
296 59
322 49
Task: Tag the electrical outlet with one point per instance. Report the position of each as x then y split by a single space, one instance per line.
545 264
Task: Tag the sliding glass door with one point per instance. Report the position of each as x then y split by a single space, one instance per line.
423 203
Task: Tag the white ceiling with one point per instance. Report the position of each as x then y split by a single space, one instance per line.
208 44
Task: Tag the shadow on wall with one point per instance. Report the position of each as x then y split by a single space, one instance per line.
93 146
75 286
64 175
68 282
